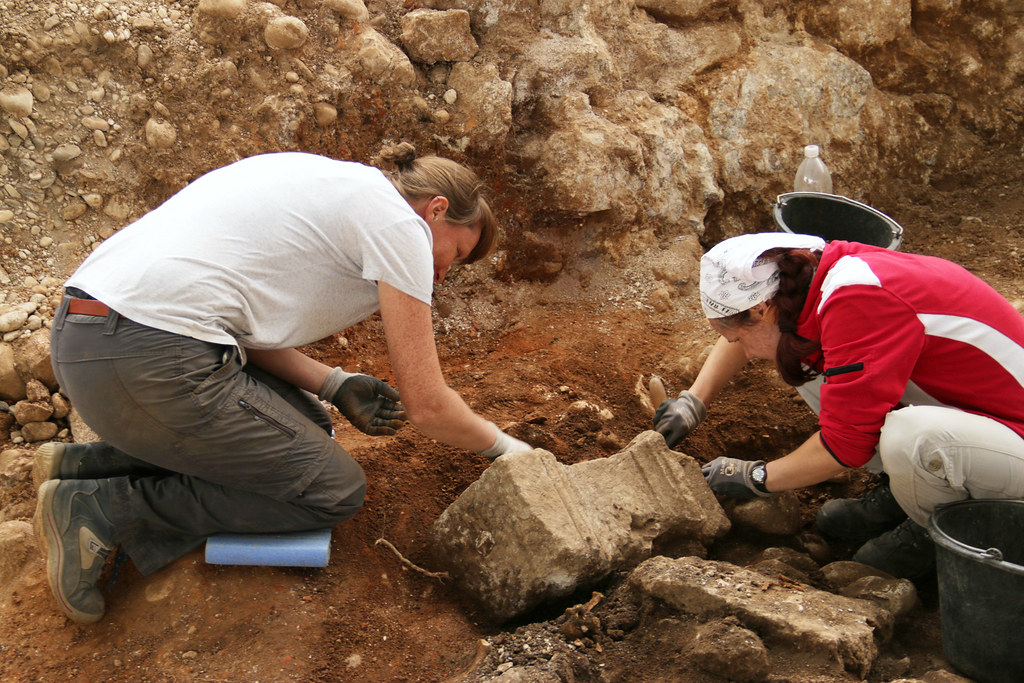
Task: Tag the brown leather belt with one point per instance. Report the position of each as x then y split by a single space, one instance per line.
88 307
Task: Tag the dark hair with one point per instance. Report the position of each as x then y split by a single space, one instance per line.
796 270
432 176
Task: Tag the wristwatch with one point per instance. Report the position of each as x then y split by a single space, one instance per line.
758 475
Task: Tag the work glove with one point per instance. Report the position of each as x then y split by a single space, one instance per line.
731 477
677 417
503 444
372 406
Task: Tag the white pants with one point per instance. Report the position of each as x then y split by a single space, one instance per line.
936 455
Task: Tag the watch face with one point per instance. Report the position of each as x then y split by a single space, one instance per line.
758 474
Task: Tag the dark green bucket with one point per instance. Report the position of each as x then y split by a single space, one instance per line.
979 551
834 217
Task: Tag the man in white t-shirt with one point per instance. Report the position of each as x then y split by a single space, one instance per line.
177 343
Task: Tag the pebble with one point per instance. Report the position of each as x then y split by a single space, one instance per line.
66 152
17 100
285 33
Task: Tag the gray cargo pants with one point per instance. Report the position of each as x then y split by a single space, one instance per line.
234 448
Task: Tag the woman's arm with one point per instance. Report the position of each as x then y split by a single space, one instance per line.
430 404
810 463
721 365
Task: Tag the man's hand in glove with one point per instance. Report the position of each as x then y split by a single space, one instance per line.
736 478
503 443
677 417
372 406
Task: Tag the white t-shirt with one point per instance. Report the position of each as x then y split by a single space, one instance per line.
270 252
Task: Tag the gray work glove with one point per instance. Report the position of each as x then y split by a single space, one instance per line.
731 477
503 444
372 406
677 417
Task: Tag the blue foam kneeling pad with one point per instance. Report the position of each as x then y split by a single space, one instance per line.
296 549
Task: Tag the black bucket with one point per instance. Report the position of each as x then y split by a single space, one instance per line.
979 551
834 217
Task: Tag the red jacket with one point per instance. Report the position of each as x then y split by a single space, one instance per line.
897 329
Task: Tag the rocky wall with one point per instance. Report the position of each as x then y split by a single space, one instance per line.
677 117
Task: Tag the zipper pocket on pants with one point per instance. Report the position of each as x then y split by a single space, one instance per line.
263 417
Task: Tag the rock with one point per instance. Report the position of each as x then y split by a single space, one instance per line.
531 530
380 60
222 9
12 386
677 10
66 152
793 558
285 33
16 100
38 431
778 514
438 36
12 317
73 210
589 162
26 412
61 406
325 114
17 545
898 596
842 573
7 423
32 359
858 25
484 111
349 9
81 432
36 391
775 568
727 649
841 631
160 134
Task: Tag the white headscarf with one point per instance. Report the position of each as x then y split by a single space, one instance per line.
734 277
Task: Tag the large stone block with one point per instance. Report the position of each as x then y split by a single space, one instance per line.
844 632
531 529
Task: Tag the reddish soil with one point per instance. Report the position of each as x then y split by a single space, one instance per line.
367 616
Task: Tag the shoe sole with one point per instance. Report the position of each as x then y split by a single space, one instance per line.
48 536
49 457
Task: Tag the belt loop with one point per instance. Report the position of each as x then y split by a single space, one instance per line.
62 311
110 327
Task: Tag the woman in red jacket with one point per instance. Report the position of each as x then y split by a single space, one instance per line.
914 366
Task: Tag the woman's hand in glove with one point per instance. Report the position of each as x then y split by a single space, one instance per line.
677 417
503 443
733 477
371 405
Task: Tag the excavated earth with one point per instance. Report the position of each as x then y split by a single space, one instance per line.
560 314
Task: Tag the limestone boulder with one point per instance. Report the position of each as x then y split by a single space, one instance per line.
531 529
431 36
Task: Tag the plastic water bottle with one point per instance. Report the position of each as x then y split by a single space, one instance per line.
812 174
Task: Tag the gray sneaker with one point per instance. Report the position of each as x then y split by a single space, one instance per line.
77 536
96 460
859 519
50 457
906 552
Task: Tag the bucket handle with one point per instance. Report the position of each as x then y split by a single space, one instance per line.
987 554
992 554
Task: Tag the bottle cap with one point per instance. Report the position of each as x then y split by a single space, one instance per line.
811 151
